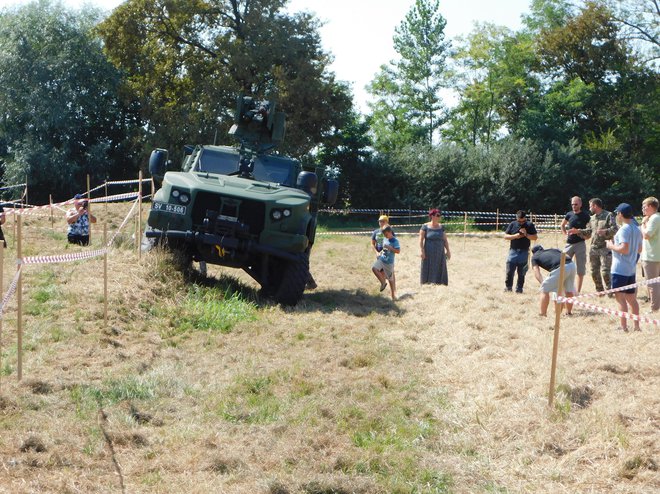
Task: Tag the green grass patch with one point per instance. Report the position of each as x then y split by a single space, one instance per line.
87 399
211 309
251 400
45 296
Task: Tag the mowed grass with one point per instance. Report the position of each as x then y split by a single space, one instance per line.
200 386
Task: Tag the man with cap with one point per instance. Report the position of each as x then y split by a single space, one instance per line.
79 219
572 226
520 233
626 247
550 260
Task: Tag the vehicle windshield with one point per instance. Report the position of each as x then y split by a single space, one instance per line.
270 169
266 168
217 161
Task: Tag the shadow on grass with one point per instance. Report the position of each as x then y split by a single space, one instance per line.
357 302
227 284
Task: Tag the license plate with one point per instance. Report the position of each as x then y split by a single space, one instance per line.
168 208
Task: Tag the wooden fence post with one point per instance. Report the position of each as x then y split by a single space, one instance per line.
89 210
52 221
464 229
105 274
555 343
138 236
19 300
2 265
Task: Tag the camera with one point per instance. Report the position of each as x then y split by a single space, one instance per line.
83 204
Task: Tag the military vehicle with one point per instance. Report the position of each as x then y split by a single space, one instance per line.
242 206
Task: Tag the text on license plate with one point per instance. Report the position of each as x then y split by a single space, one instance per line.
169 208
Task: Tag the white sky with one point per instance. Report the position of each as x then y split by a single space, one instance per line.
358 33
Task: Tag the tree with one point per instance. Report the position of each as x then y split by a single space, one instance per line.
186 61
475 118
407 90
61 116
639 23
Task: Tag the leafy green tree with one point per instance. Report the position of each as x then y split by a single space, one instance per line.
476 119
185 61
59 99
408 104
347 158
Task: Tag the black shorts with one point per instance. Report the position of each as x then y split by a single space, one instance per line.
618 280
78 239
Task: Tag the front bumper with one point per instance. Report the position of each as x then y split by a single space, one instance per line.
228 243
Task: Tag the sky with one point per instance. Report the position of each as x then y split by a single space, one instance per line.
358 33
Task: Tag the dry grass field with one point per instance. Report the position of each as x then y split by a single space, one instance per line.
201 387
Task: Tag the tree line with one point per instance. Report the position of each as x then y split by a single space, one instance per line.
568 104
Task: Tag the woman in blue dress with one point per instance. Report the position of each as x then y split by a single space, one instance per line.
434 251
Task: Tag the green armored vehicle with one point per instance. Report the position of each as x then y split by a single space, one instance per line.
243 207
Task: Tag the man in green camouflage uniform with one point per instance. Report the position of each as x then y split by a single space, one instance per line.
602 226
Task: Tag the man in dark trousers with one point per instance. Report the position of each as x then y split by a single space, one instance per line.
550 260
520 233
576 248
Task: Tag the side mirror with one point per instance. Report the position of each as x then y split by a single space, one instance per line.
330 192
158 164
307 181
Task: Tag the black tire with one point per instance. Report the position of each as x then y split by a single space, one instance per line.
291 286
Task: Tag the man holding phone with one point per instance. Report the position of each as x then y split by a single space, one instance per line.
79 219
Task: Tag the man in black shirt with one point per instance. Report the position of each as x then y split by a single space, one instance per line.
550 260
576 248
520 233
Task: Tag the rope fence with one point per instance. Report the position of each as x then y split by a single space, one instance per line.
26 210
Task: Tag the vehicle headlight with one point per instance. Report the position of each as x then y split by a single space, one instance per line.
286 213
276 214
180 196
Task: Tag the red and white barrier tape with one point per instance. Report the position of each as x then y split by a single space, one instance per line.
123 223
7 187
10 292
652 281
126 182
32 210
116 197
605 310
75 256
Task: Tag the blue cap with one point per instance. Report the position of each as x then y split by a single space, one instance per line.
78 196
625 209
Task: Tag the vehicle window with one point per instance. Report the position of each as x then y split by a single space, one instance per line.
273 170
213 161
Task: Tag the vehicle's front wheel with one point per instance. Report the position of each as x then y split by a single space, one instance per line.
293 278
